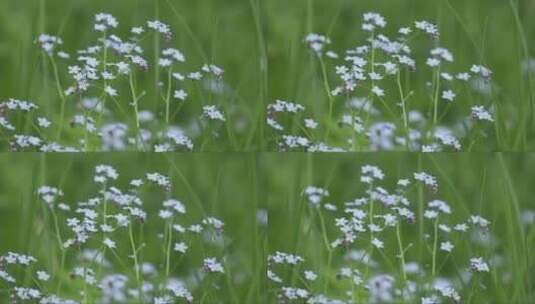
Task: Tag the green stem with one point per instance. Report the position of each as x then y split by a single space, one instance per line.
435 242
61 96
168 251
136 264
168 96
401 251
435 98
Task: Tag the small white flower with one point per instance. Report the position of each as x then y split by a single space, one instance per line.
181 247
479 265
43 122
211 265
181 94
109 243
377 243
43 276
310 275
378 91
311 123
110 91
448 95
446 246
165 214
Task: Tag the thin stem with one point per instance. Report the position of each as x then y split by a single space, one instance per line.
401 251
168 96
435 98
403 106
435 242
329 95
136 264
168 251
328 247
61 96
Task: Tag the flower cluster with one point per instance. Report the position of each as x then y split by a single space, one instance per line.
371 107
103 104
371 260
100 236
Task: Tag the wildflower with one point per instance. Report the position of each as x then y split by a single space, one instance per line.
294 293
160 27
48 43
317 42
43 276
315 194
181 94
176 205
310 275
165 214
110 91
181 247
137 30
109 243
310 123
427 27
373 20
104 22
480 113
446 246
43 122
211 265
479 265
273 277
448 95
378 91
211 112
378 243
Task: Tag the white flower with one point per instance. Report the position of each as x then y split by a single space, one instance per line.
378 91
110 91
213 113
211 265
165 214
377 243
310 275
43 276
43 122
479 265
181 94
181 247
448 95
310 123
137 30
446 246
480 113
109 243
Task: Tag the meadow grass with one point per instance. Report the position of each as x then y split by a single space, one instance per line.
261 48
489 185
208 189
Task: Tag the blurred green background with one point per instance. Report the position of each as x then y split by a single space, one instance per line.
260 45
476 32
499 187
223 186
235 186
206 31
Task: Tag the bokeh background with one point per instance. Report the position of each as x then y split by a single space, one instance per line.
206 31
485 32
260 45
498 187
223 186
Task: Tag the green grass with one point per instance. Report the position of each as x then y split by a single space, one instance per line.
232 187
495 186
208 185
260 46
